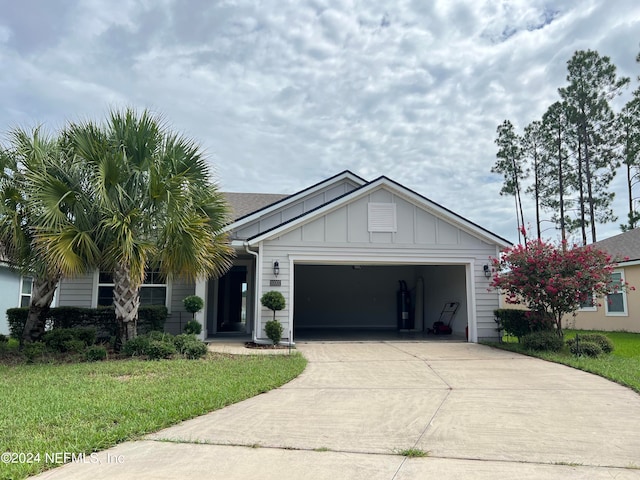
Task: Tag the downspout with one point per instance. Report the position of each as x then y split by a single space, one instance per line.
255 292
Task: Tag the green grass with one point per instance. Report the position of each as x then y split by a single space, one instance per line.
621 366
88 407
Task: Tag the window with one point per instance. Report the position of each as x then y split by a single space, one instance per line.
26 287
616 302
589 305
153 290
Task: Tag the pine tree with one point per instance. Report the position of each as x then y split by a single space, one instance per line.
592 83
510 164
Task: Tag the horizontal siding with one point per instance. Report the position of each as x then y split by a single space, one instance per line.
76 292
178 316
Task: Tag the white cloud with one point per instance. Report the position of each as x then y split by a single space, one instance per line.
284 94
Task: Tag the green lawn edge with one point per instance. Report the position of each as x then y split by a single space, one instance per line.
88 407
622 366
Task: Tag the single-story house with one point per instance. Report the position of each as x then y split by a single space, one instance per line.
620 310
340 252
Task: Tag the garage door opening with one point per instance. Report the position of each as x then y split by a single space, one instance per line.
361 301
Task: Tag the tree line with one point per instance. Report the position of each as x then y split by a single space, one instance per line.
569 157
121 196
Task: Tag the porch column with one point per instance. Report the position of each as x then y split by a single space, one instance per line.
201 291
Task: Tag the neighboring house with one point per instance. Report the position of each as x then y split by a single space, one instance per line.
16 292
337 251
619 310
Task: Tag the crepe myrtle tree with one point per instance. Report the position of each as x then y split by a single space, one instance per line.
553 280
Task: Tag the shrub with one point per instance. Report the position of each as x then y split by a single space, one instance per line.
73 346
542 341
585 349
33 350
136 347
16 317
150 318
3 338
273 300
194 350
193 327
514 322
193 303
273 329
518 323
160 336
158 349
61 339
604 342
96 353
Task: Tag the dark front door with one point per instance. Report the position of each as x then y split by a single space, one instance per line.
232 300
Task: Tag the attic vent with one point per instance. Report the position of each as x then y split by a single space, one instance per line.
382 217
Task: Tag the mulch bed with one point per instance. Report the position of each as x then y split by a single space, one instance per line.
266 346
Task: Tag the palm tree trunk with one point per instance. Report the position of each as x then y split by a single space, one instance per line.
126 300
41 298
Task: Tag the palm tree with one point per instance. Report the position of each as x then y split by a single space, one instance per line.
155 206
36 169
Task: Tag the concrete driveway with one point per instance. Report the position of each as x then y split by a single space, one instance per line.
477 412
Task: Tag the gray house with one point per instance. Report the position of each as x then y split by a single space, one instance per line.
339 251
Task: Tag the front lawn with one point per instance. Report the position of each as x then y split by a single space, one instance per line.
621 366
86 407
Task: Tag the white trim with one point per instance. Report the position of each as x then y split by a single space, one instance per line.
472 321
625 312
167 286
346 175
94 290
20 294
201 316
395 189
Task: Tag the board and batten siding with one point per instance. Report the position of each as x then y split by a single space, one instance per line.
295 209
421 238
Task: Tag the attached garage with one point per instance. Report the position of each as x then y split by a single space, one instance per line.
339 250
364 297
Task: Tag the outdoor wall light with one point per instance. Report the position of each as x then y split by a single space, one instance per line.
276 268
487 271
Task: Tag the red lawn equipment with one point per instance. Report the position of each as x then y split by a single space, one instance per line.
443 325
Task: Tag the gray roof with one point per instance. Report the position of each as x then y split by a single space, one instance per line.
243 204
626 245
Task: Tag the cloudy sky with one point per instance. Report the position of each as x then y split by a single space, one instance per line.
282 94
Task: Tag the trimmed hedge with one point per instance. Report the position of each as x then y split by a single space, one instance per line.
542 341
519 323
150 318
602 341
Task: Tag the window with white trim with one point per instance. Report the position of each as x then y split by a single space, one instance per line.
153 290
26 288
616 301
589 305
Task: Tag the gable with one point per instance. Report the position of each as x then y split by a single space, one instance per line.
403 222
295 206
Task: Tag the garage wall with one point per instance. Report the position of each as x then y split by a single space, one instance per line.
445 284
421 237
344 296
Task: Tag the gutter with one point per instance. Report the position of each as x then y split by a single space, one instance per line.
255 288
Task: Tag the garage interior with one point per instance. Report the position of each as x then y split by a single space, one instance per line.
334 302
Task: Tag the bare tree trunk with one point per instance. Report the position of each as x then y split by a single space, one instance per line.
563 228
41 298
126 301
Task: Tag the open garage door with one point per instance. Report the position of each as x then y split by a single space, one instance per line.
361 301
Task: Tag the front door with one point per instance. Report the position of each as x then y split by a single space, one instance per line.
232 300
